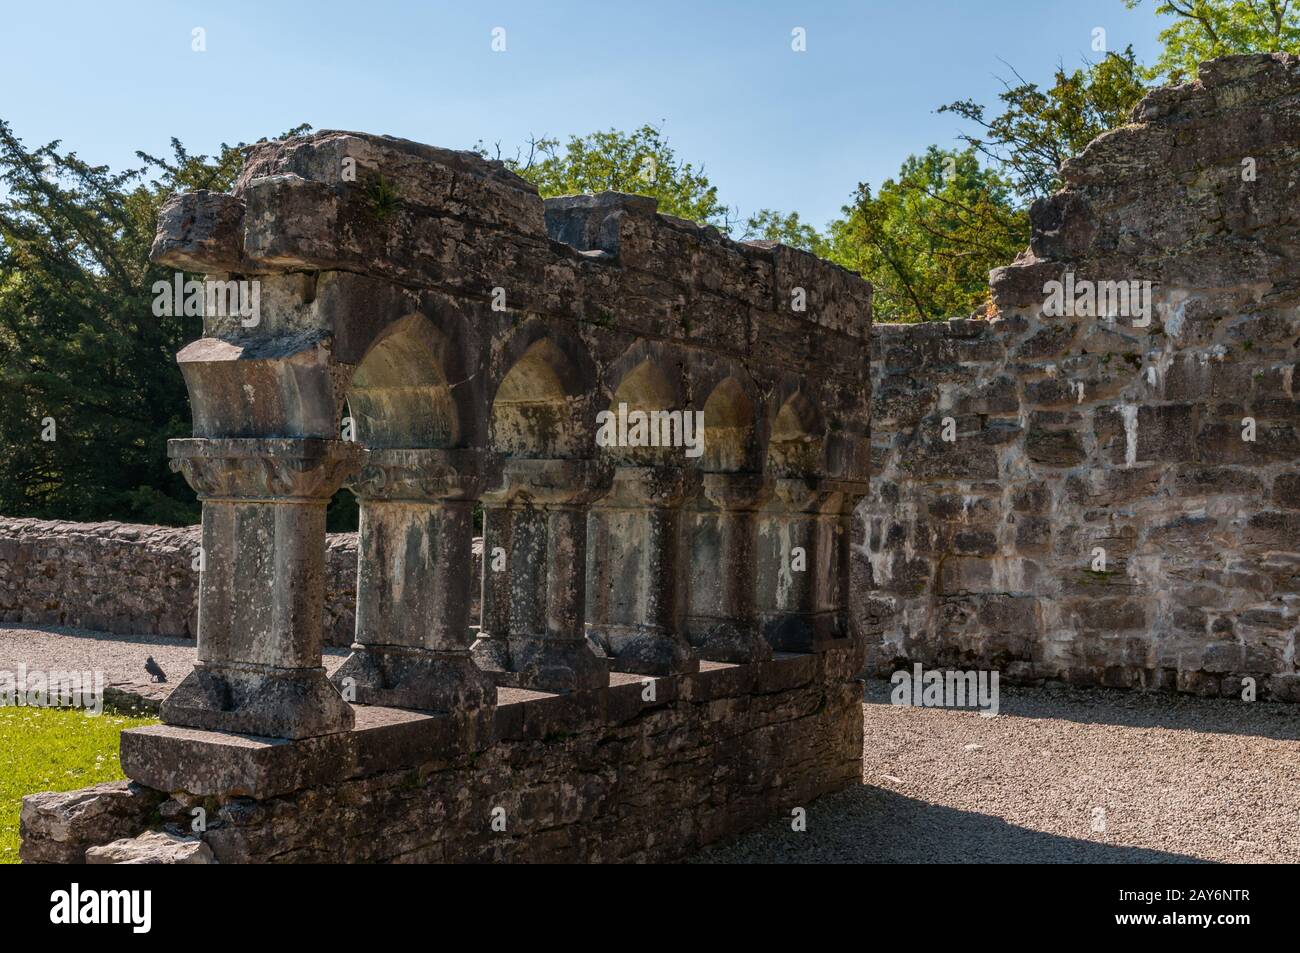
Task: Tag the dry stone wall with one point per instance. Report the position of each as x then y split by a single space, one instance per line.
1165 442
133 579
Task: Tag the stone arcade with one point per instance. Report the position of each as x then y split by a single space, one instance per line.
664 656
1119 503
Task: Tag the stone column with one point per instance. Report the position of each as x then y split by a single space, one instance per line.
413 583
799 559
637 606
851 495
261 589
723 624
534 569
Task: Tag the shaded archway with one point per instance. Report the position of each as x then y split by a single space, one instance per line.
416 493
797 439
535 413
646 392
728 429
400 395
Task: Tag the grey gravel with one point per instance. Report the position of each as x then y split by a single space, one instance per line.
1180 779
119 657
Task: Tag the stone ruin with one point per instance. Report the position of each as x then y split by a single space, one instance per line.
664 654
1101 495
1164 443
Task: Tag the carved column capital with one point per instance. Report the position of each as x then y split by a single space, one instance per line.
805 495
638 487
424 474
558 482
273 469
737 492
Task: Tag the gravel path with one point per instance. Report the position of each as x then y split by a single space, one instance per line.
119 657
1180 780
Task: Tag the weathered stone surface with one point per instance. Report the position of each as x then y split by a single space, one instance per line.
1133 429
135 579
57 827
605 775
458 316
477 338
152 847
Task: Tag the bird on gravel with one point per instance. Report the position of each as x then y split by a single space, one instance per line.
156 674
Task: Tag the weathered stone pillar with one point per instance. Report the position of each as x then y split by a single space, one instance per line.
800 559
847 541
723 625
412 646
636 593
534 568
261 589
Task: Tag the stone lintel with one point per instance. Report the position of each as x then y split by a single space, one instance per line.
428 475
219 764
558 482
736 492
652 487
814 494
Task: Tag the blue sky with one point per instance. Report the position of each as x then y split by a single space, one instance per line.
773 128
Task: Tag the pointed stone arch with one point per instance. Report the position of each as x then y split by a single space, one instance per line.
796 443
730 434
401 394
646 377
540 409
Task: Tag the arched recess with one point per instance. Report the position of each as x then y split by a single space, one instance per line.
729 435
647 390
796 444
538 409
400 396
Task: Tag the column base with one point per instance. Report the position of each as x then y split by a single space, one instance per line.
805 631
540 663
726 640
399 676
257 700
643 650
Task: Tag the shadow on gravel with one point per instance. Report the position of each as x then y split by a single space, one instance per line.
1279 721
874 825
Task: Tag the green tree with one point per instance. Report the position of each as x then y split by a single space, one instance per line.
772 226
1204 29
83 359
1038 129
928 239
641 162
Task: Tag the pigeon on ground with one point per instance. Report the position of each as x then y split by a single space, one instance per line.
156 674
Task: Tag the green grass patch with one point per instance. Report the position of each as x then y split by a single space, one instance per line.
53 749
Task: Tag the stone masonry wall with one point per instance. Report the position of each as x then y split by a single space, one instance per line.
132 579
1079 434
596 776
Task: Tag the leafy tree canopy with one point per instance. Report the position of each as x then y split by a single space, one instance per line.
641 162
1038 129
89 387
928 238
1203 29
772 226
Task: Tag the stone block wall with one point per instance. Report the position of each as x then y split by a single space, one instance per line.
133 579
599 776
1076 434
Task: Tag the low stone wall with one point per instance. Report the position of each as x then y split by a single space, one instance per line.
132 579
1111 498
605 775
